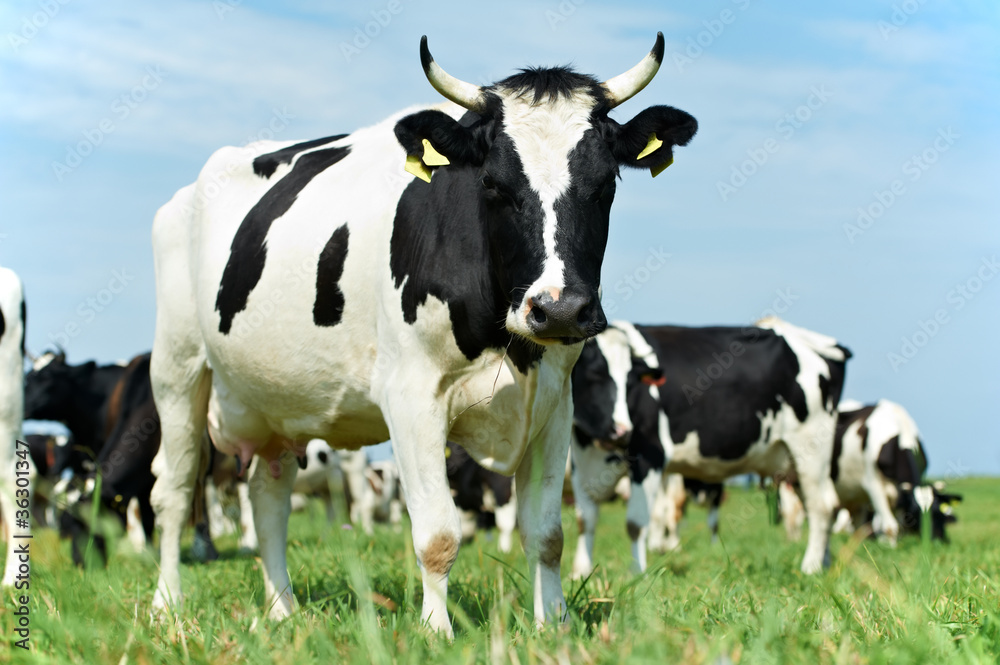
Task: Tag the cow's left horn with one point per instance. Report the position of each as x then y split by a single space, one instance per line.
464 94
624 86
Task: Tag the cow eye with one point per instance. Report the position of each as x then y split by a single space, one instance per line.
489 182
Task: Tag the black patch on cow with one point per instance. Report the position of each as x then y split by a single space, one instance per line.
249 248
554 82
593 386
322 457
440 247
24 325
3 325
267 164
719 394
303 462
329 305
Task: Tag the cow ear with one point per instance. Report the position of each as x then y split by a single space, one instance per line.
647 140
432 139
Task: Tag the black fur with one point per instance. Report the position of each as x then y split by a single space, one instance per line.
267 164
248 251
329 305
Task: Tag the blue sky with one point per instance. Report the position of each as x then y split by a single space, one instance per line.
809 114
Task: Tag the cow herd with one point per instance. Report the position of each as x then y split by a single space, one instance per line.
313 298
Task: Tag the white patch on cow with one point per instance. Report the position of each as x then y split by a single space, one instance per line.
614 346
544 135
133 526
11 417
637 343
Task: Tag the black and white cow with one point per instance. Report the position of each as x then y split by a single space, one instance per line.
879 464
78 396
14 460
727 401
472 485
310 290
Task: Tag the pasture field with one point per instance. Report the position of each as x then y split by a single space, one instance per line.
741 600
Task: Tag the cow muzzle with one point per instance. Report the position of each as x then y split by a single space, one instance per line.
564 316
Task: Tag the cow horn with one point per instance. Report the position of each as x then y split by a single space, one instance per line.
464 94
624 86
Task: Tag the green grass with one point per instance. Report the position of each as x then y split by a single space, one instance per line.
742 600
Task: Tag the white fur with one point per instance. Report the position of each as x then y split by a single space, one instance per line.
11 416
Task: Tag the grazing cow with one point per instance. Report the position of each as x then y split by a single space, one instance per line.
879 464
469 484
309 291
16 470
709 403
78 396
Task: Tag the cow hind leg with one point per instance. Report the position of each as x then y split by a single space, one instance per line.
271 498
181 389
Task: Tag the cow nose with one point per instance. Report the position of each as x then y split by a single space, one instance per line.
565 314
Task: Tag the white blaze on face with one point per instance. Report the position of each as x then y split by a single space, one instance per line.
544 135
614 346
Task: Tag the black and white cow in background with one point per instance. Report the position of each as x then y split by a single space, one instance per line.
759 399
879 464
79 397
13 459
472 486
309 291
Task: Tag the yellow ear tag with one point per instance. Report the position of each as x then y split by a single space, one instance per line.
416 167
652 146
432 157
661 168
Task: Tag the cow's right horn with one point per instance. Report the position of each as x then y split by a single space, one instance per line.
464 94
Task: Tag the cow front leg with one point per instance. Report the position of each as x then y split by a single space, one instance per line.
418 443
539 480
270 486
820 498
644 494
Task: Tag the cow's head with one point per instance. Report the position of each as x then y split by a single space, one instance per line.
547 156
49 386
600 385
915 501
